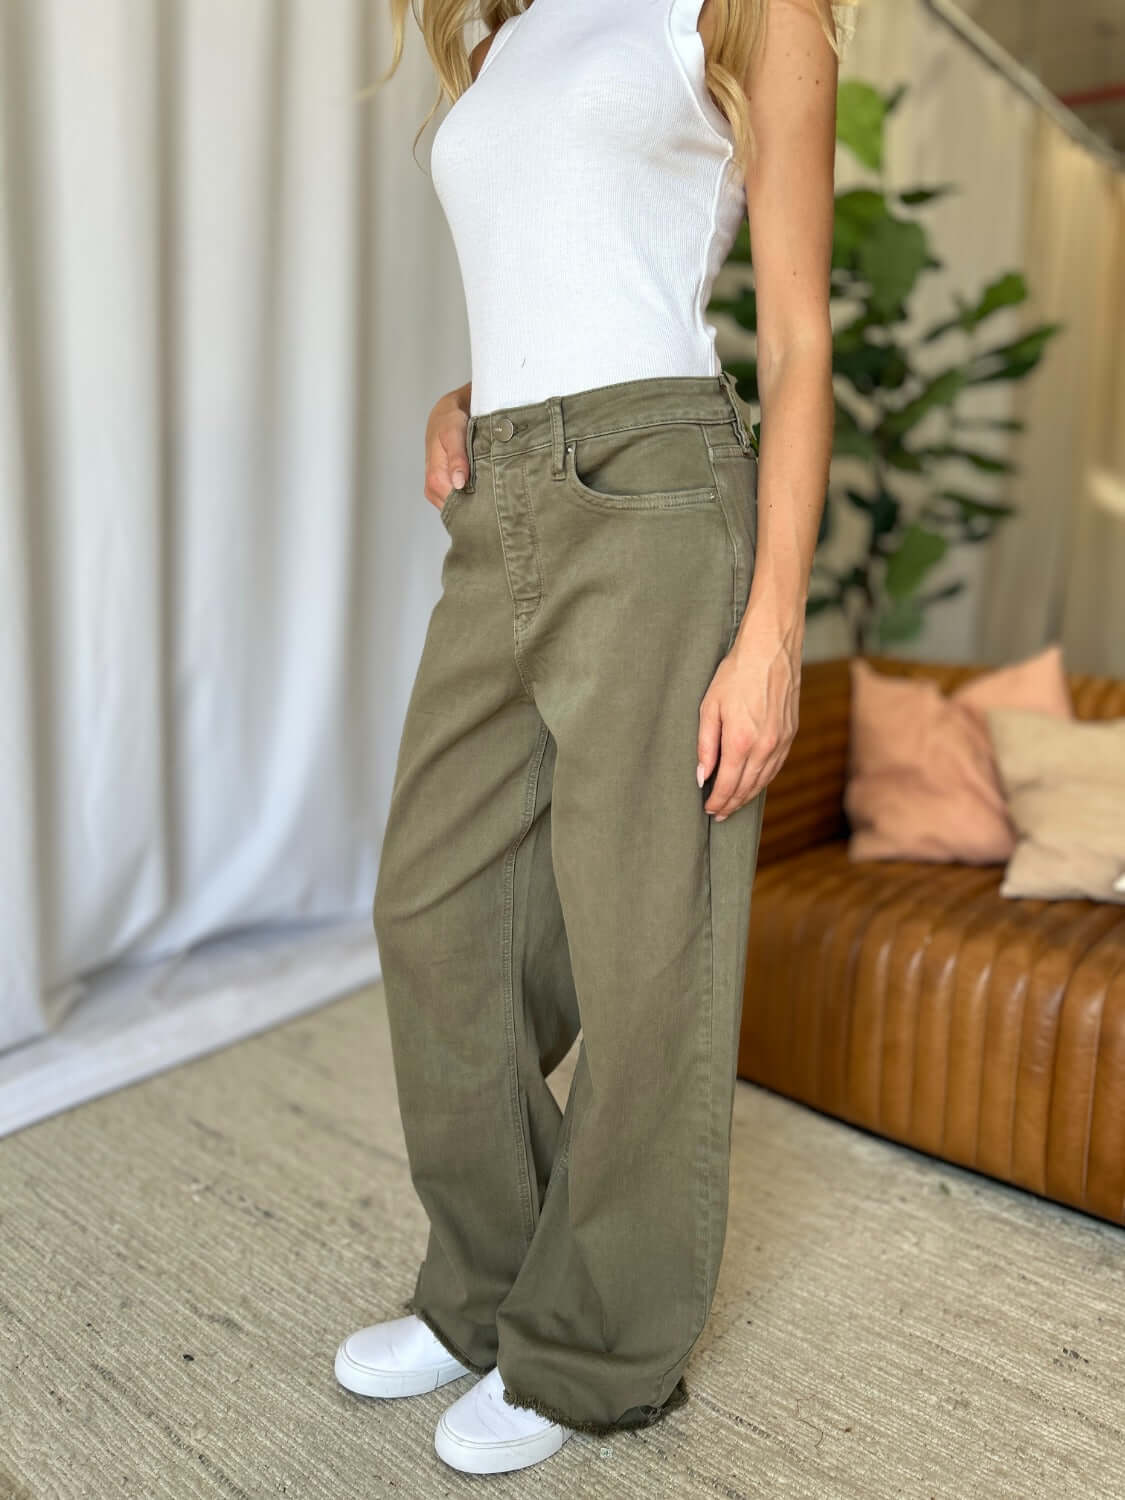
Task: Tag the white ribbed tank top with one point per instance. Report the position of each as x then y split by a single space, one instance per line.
589 185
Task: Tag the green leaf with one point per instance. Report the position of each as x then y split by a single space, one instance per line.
870 366
884 513
900 620
850 438
1014 360
936 330
845 282
891 256
985 462
854 443
914 196
917 553
900 457
1006 291
947 591
860 111
994 424
740 250
824 530
857 211
971 505
941 390
818 603
883 509
851 337
743 308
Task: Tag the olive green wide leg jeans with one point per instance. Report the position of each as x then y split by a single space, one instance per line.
548 867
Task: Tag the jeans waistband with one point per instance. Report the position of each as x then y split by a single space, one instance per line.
708 399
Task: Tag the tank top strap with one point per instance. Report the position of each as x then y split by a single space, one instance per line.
500 36
682 23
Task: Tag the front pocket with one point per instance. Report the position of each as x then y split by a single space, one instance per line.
662 467
449 505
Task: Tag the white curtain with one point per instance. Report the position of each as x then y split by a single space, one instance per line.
227 301
1057 571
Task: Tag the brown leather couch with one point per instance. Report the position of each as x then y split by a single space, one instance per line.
914 1000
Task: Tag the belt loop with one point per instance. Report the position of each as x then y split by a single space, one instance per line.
727 381
558 437
471 482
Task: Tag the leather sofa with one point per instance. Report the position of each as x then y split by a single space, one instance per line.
913 1000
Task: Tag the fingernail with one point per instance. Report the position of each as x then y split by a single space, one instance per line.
459 477
700 777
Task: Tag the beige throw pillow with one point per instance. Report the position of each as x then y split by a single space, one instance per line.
1065 787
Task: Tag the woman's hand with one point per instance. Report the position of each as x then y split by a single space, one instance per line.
447 459
748 717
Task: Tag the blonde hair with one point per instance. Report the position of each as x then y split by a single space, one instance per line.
740 27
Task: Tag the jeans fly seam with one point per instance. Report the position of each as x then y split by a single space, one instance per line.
523 1163
516 643
529 510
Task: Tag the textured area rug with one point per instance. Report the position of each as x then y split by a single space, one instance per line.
180 1260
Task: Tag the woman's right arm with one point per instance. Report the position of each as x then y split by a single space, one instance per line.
447 459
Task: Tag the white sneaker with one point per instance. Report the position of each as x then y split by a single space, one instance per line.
398 1358
481 1433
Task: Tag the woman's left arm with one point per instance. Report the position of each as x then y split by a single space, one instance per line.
749 716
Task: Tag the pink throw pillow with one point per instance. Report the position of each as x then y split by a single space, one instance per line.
923 781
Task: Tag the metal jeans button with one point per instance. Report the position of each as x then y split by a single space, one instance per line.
503 428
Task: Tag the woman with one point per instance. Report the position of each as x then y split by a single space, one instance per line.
609 683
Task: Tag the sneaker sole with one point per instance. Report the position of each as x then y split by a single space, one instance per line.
363 1380
496 1458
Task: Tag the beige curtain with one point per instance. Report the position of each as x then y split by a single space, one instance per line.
1056 570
